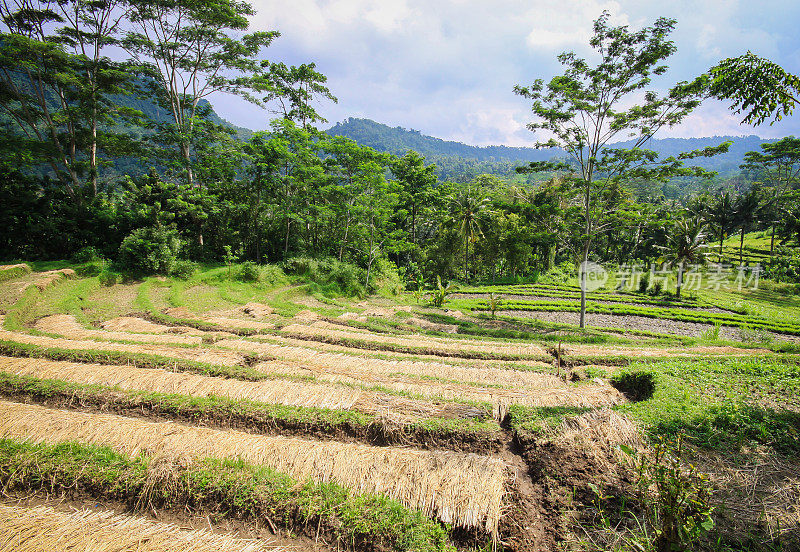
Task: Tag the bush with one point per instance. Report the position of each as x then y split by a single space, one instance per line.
784 266
90 269
559 275
86 255
657 288
644 283
108 278
150 251
184 269
636 385
249 272
329 276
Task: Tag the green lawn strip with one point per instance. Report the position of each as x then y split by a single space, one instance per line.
220 489
15 272
682 315
569 295
141 360
722 404
467 435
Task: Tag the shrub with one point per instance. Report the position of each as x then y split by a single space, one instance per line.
108 278
656 288
329 276
150 251
784 266
644 283
559 275
90 269
249 272
184 269
86 255
637 385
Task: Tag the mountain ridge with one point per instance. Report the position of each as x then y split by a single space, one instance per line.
398 140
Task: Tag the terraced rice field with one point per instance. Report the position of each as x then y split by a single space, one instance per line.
322 429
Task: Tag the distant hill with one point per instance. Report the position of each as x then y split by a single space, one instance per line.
398 140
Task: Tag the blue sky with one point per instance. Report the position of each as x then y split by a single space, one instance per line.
447 68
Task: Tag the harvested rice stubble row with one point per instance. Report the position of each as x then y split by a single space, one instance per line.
291 393
198 354
67 325
418 341
44 529
378 366
463 489
498 386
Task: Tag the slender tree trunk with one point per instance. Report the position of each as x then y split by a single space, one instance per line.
583 281
721 239
772 242
586 244
286 241
187 159
93 152
741 245
679 285
466 257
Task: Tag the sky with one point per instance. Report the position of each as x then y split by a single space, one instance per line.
448 67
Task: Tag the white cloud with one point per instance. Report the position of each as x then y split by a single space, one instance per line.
448 67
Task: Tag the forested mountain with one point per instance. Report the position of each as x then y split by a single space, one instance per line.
398 140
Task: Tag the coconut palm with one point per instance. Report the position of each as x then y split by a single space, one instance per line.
686 244
748 210
469 206
721 215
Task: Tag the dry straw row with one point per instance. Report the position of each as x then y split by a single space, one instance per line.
199 354
67 326
433 343
290 393
444 381
458 488
44 529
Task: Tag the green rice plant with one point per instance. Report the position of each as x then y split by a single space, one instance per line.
711 334
495 302
440 294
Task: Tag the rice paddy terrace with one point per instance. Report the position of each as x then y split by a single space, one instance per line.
212 414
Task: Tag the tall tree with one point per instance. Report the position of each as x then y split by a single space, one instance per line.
588 106
190 49
294 89
416 182
469 206
776 167
55 83
746 211
721 214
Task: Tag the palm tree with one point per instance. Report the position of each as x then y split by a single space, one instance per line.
748 211
469 206
685 245
721 214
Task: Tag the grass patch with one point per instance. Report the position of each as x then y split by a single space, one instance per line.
14 272
723 404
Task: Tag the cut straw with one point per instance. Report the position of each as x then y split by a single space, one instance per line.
44 529
463 489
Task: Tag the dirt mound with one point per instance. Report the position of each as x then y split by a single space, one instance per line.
46 279
256 310
433 326
306 316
